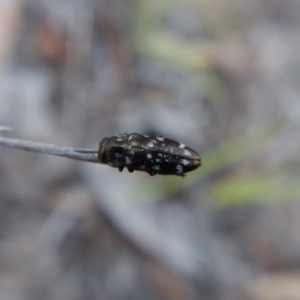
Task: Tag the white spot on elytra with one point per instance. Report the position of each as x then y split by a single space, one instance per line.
182 146
119 139
128 161
186 162
130 137
187 153
160 138
150 145
158 160
149 155
159 154
179 169
163 144
156 167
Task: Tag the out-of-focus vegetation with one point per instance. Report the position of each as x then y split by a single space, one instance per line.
220 76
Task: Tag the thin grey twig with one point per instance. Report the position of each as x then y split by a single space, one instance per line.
77 154
3 129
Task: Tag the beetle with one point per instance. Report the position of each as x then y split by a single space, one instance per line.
151 154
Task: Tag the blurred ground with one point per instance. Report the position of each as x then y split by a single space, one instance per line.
220 76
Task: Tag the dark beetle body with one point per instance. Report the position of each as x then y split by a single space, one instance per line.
151 154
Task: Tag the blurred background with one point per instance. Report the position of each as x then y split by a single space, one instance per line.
221 76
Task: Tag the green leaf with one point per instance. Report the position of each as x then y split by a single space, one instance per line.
254 188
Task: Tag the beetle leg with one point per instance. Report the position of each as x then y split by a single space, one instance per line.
130 169
121 168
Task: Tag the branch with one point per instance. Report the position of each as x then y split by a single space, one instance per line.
77 154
